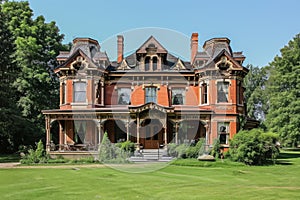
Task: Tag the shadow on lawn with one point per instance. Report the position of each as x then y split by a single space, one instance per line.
7 158
284 158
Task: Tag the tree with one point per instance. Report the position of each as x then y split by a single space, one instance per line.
283 89
256 100
28 50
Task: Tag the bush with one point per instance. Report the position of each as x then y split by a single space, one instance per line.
187 151
111 153
128 146
215 151
36 156
254 147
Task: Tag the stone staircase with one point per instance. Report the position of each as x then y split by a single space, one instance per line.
151 155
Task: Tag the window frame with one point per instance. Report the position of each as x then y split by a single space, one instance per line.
183 95
204 93
119 93
75 91
63 93
226 93
225 133
151 96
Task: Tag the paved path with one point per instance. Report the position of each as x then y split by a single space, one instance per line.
17 165
9 165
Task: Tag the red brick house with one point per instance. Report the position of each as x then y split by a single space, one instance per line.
150 97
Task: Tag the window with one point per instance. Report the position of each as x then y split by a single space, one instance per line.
178 96
147 64
204 93
223 92
79 92
63 93
154 63
151 95
239 93
223 131
124 96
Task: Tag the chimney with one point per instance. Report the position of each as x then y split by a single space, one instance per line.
194 46
120 48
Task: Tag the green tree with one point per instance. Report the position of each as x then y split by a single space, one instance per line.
28 48
283 89
256 100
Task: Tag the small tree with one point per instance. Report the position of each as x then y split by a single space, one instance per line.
254 147
106 150
36 156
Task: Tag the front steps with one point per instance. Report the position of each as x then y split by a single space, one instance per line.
151 155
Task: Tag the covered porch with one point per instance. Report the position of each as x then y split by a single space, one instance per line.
149 126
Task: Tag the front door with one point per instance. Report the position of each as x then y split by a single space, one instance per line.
153 137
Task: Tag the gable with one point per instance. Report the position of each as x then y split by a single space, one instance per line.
151 42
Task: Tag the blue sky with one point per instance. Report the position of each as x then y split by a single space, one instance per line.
259 28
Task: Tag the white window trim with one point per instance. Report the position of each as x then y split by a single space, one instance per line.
200 93
229 93
73 96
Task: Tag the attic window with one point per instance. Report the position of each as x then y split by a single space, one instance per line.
151 49
224 63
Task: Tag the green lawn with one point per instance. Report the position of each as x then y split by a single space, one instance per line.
215 181
6 158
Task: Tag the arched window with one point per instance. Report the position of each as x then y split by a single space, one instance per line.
147 64
154 63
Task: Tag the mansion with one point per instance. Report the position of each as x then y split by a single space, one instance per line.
149 97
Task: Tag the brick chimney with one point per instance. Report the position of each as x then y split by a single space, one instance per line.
194 46
120 48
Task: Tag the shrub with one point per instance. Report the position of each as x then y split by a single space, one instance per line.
215 151
254 147
36 156
187 151
128 146
111 153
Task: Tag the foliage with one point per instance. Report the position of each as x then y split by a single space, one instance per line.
28 48
36 156
215 151
187 151
110 153
284 93
254 147
126 146
255 84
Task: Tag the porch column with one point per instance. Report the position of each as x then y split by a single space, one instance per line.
207 134
127 130
102 92
165 136
138 131
100 128
61 136
176 132
47 124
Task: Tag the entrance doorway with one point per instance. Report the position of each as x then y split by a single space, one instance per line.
151 134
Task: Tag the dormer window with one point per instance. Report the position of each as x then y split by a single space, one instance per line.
154 63
147 63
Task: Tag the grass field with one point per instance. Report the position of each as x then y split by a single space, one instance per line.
221 180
